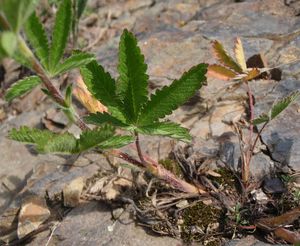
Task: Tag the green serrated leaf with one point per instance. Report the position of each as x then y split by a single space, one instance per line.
283 104
16 12
60 34
116 142
37 37
81 4
102 118
133 80
93 138
64 143
30 135
21 87
164 101
102 87
168 129
261 119
8 42
76 60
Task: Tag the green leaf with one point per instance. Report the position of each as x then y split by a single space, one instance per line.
30 135
68 96
16 12
21 87
37 37
102 118
74 61
277 108
81 4
261 119
49 142
116 142
133 80
92 138
8 42
60 33
168 129
102 87
283 104
224 58
164 101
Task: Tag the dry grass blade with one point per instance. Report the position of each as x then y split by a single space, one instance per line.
252 74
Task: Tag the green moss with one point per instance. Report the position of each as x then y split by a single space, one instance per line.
172 166
227 179
197 219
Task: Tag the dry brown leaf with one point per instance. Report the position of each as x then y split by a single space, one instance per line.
222 56
220 72
84 96
252 74
33 213
288 236
239 54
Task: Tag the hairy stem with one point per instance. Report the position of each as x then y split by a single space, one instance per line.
138 147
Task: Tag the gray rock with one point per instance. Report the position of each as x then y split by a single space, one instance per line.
92 225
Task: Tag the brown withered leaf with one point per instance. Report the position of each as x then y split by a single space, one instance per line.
239 54
278 221
287 235
222 56
252 74
84 96
33 213
220 72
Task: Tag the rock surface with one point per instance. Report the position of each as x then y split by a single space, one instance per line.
173 35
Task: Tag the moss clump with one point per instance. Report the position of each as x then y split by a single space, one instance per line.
172 166
227 179
198 220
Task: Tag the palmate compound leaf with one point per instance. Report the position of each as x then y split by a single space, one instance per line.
49 142
277 108
21 87
102 86
133 80
224 58
60 34
37 37
164 101
169 129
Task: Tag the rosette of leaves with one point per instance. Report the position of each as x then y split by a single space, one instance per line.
49 54
129 106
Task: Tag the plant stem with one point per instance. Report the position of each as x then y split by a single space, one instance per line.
256 139
138 147
246 163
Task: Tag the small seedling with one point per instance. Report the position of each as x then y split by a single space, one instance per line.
126 99
236 70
